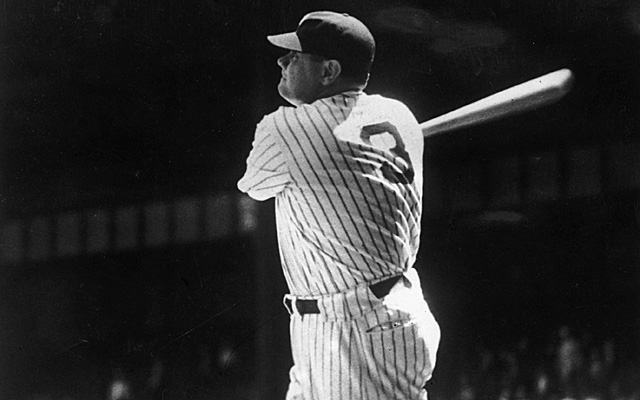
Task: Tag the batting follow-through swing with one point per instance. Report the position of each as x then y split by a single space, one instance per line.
348 212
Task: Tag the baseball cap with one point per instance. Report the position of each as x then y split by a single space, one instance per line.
335 36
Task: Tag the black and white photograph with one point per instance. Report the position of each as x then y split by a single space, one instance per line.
319 200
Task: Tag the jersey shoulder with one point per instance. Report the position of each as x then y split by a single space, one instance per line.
389 106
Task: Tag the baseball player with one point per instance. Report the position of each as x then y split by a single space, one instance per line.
345 169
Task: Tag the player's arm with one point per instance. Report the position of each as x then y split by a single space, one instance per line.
267 172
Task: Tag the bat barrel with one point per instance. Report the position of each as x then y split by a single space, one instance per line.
526 96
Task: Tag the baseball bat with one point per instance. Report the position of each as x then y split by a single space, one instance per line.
540 91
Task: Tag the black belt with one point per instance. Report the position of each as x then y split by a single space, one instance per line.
305 306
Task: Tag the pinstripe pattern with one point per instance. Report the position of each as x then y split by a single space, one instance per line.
383 352
340 221
346 173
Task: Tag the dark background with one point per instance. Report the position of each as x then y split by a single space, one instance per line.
531 222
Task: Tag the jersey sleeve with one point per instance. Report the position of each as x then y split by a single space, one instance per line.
267 173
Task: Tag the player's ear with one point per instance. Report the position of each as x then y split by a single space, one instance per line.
331 72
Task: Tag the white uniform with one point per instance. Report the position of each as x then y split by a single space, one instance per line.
346 172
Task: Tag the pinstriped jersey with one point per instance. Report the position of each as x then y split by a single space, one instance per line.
346 174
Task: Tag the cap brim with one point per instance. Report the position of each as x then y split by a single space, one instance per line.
287 41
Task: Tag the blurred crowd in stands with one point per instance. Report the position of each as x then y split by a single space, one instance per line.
567 366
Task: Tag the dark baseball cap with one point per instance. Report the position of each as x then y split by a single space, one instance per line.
335 36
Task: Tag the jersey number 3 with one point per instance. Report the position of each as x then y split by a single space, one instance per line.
403 174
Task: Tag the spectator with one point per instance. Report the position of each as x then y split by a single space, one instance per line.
595 374
569 363
465 391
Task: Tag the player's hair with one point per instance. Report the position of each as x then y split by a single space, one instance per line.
356 71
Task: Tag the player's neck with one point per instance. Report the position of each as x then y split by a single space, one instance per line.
339 87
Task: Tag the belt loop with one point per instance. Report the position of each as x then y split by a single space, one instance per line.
289 300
